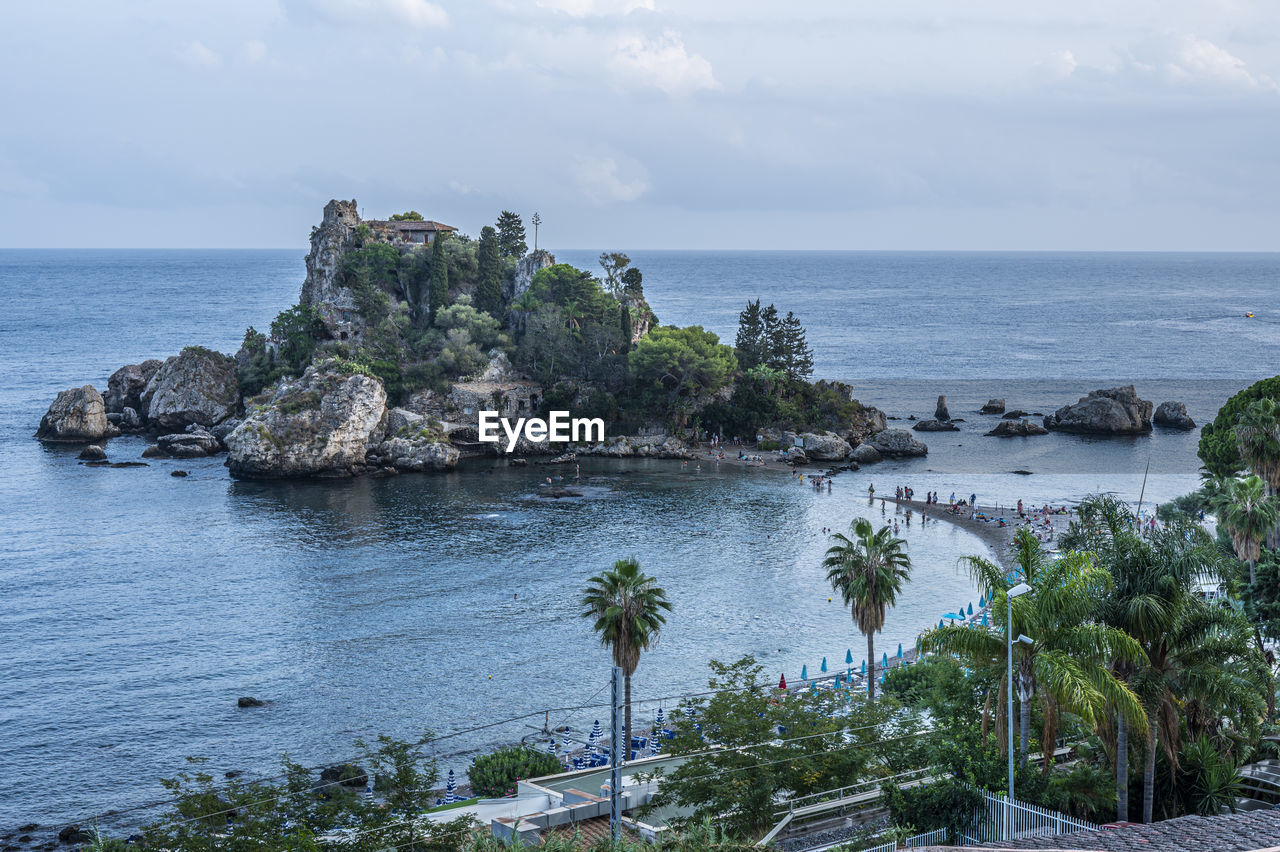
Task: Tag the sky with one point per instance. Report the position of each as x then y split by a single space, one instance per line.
643 124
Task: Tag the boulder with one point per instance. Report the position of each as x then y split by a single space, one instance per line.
941 413
223 429
647 446
346 774
825 446
196 386
126 385
418 453
1017 428
73 834
130 419
936 426
795 455
1117 411
246 701
993 406
1173 415
866 454
402 421
93 452
319 424
77 416
893 443
153 451
189 445
1016 414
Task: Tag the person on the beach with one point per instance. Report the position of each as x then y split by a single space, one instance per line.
871 490
973 499
895 526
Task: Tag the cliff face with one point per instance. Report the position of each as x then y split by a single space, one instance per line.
322 289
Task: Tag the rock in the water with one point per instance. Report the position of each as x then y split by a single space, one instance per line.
346 774
1016 414
153 451
866 454
126 385
893 443
192 444
1117 411
317 425
93 452
416 454
825 446
223 429
936 426
250 701
647 446
130 419
557 493
795 455
993 406
941 413
74 834
196 386
77 416
1017 428
1173 415
178 473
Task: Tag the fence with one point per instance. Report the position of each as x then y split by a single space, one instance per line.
1001 818
929 838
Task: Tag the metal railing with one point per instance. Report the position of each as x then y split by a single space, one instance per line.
1001 818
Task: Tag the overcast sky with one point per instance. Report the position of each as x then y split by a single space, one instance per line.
987 124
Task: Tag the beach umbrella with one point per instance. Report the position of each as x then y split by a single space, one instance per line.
984 619
551 746
653 746
970 612
824 664
864 668
899 650
804 672
593 739
941 622
451 790
885 661
782 682
657 724
982 601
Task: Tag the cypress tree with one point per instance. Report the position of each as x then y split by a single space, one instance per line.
626 326
489 282
750 342
438 290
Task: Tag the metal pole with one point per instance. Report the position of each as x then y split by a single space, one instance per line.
1008 635
615 759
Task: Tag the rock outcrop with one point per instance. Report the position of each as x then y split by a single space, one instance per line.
993 406
425 452
527 267
317 425
1016 414
93 452
936 426
196 386
77 416
126 386
192 444
866 454
1173 415
825 446
940 412
322 289
641 446
1116 411
1017 428
895 443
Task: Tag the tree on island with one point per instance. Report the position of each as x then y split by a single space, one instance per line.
686 362
764 340
868 571
410 216
795 358
511 239
613 263
632 283
438 289
489 283
750 343
626 605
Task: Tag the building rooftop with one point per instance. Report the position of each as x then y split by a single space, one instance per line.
410 225
1241 832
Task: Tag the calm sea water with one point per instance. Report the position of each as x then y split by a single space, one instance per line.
139 606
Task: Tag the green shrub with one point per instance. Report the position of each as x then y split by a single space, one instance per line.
1218 451
495 775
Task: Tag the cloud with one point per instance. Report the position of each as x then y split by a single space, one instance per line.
663 63
1058 65
598 179
197 55
1200 59
253 51
419 14
585 8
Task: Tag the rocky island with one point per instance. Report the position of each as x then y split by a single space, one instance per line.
406 329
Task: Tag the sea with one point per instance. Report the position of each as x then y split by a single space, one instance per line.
139 606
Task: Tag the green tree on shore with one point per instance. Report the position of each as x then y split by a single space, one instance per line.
626 606
1219 449
1248 513
868 571
511 239
438 289
489 283
750 344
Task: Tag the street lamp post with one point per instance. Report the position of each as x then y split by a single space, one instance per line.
1020 589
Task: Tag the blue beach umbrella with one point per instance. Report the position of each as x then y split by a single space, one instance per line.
451 790
824 664
885 661
864 668
941 623
804 672
982 601
593 739
848 657
970 611
899 650
657 723
984 619
551 746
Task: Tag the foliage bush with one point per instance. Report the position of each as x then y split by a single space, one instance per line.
1218 451
494 775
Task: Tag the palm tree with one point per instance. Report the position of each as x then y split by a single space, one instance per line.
1258 440
1201 666
1249 514
627 606
1068 663
868 571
